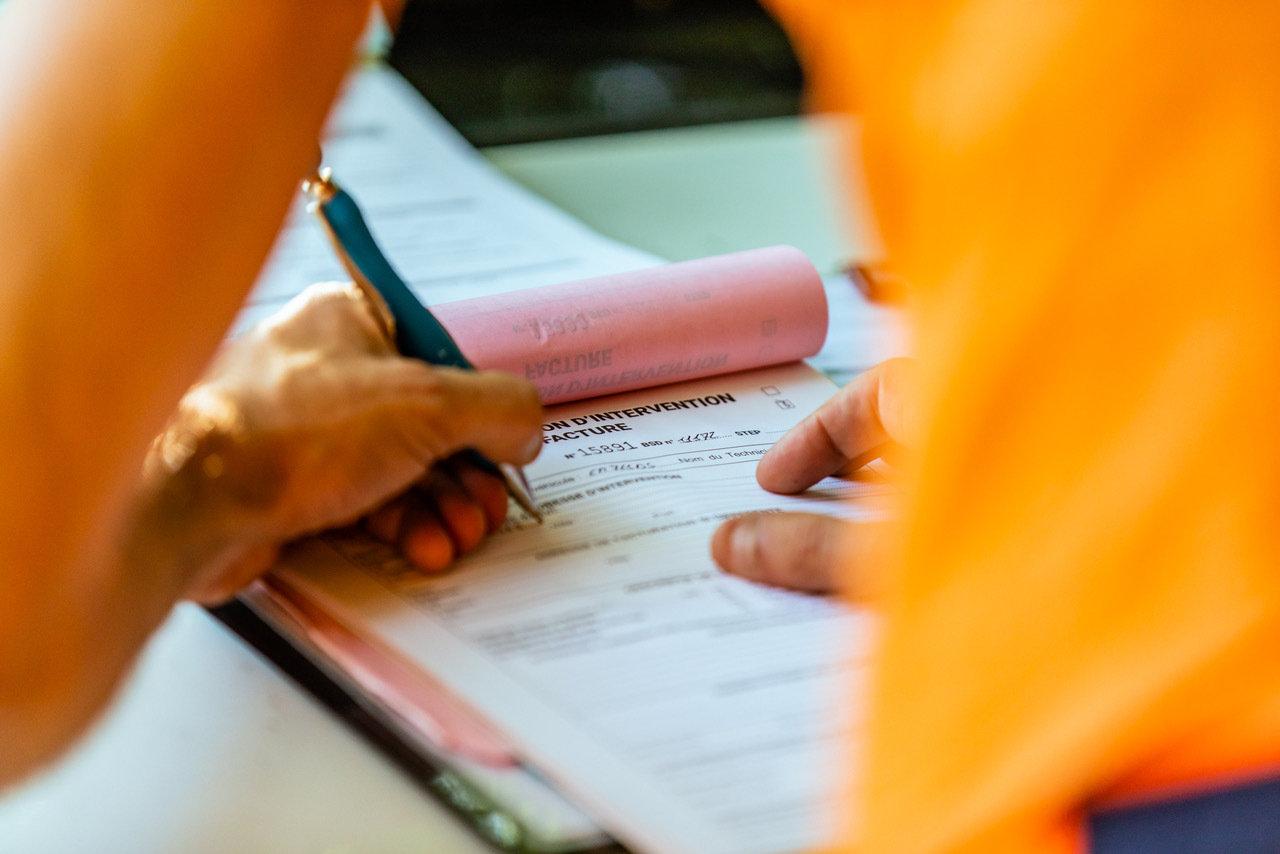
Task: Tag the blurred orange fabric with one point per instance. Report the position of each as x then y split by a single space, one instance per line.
1087 607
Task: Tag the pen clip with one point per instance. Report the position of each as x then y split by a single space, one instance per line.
418 333
320 189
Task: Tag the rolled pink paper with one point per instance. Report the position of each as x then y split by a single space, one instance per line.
648 327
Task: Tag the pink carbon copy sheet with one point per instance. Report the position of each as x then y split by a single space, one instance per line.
648 327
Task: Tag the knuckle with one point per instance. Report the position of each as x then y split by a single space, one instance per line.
328 315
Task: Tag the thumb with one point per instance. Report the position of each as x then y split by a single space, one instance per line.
802 551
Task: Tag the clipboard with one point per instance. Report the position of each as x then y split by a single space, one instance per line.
497 824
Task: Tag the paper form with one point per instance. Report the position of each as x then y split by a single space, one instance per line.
454 739
687 710
452 226
456 229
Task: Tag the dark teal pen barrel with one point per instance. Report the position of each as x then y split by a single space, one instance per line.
418 333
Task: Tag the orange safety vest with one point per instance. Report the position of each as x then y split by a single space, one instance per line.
1086 609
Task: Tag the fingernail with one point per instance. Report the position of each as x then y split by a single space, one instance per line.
743 543
535 445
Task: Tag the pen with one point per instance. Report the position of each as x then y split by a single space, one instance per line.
414 329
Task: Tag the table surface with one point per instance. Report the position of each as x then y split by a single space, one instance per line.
207 748
693 192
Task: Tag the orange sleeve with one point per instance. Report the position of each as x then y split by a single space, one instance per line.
148 153
1087 601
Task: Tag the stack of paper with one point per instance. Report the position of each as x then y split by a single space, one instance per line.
680 709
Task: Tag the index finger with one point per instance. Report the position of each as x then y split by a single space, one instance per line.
848 431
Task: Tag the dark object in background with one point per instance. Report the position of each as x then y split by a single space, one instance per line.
506 71
1243 817
878 285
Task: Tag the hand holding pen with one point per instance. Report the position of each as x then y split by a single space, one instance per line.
407 321
312 420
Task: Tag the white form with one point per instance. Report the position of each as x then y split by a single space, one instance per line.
455 228
687 710
452 226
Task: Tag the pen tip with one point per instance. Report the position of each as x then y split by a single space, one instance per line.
519 489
